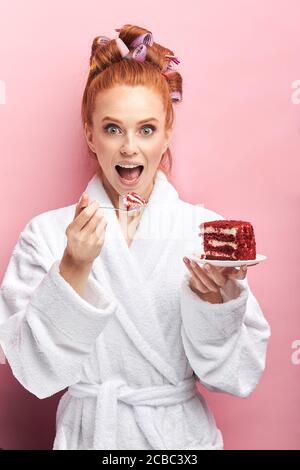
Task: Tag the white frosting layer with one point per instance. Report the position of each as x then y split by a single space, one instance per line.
219 243
225 231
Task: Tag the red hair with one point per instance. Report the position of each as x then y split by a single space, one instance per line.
112 70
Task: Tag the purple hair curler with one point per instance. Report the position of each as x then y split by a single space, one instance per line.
176 95
146 39
140 53
102 40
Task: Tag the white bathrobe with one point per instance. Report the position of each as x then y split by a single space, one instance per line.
130 351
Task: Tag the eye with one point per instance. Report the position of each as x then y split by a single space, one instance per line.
108 126
153 128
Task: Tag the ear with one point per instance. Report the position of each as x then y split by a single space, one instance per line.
168 135
89 137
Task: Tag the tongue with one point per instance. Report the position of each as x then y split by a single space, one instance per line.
129 173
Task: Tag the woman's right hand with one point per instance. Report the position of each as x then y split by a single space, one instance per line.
86 233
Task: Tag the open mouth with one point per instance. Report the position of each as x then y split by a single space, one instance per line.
129 175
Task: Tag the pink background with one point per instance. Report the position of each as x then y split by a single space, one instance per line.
236 150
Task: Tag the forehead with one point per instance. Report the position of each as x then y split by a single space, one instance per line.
129 104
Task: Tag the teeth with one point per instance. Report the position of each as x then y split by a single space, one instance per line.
129 166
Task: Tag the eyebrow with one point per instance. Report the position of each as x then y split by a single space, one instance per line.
108 118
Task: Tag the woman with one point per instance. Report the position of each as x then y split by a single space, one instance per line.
100 301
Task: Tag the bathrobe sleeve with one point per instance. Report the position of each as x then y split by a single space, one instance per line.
225 343
47 330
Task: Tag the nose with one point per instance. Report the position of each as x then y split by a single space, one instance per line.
129 146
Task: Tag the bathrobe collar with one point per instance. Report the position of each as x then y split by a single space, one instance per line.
129 271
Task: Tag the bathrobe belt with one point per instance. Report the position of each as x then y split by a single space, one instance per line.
142 399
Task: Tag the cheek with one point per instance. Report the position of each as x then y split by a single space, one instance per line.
154 159
104 153
155 149
155 145
105 145
106 149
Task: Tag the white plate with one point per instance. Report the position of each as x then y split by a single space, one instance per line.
217 262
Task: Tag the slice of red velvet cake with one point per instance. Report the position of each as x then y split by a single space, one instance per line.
228 240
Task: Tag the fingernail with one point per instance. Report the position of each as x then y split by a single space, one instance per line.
207 267
185 260
244 268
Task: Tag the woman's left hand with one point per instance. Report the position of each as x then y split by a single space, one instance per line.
207 281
